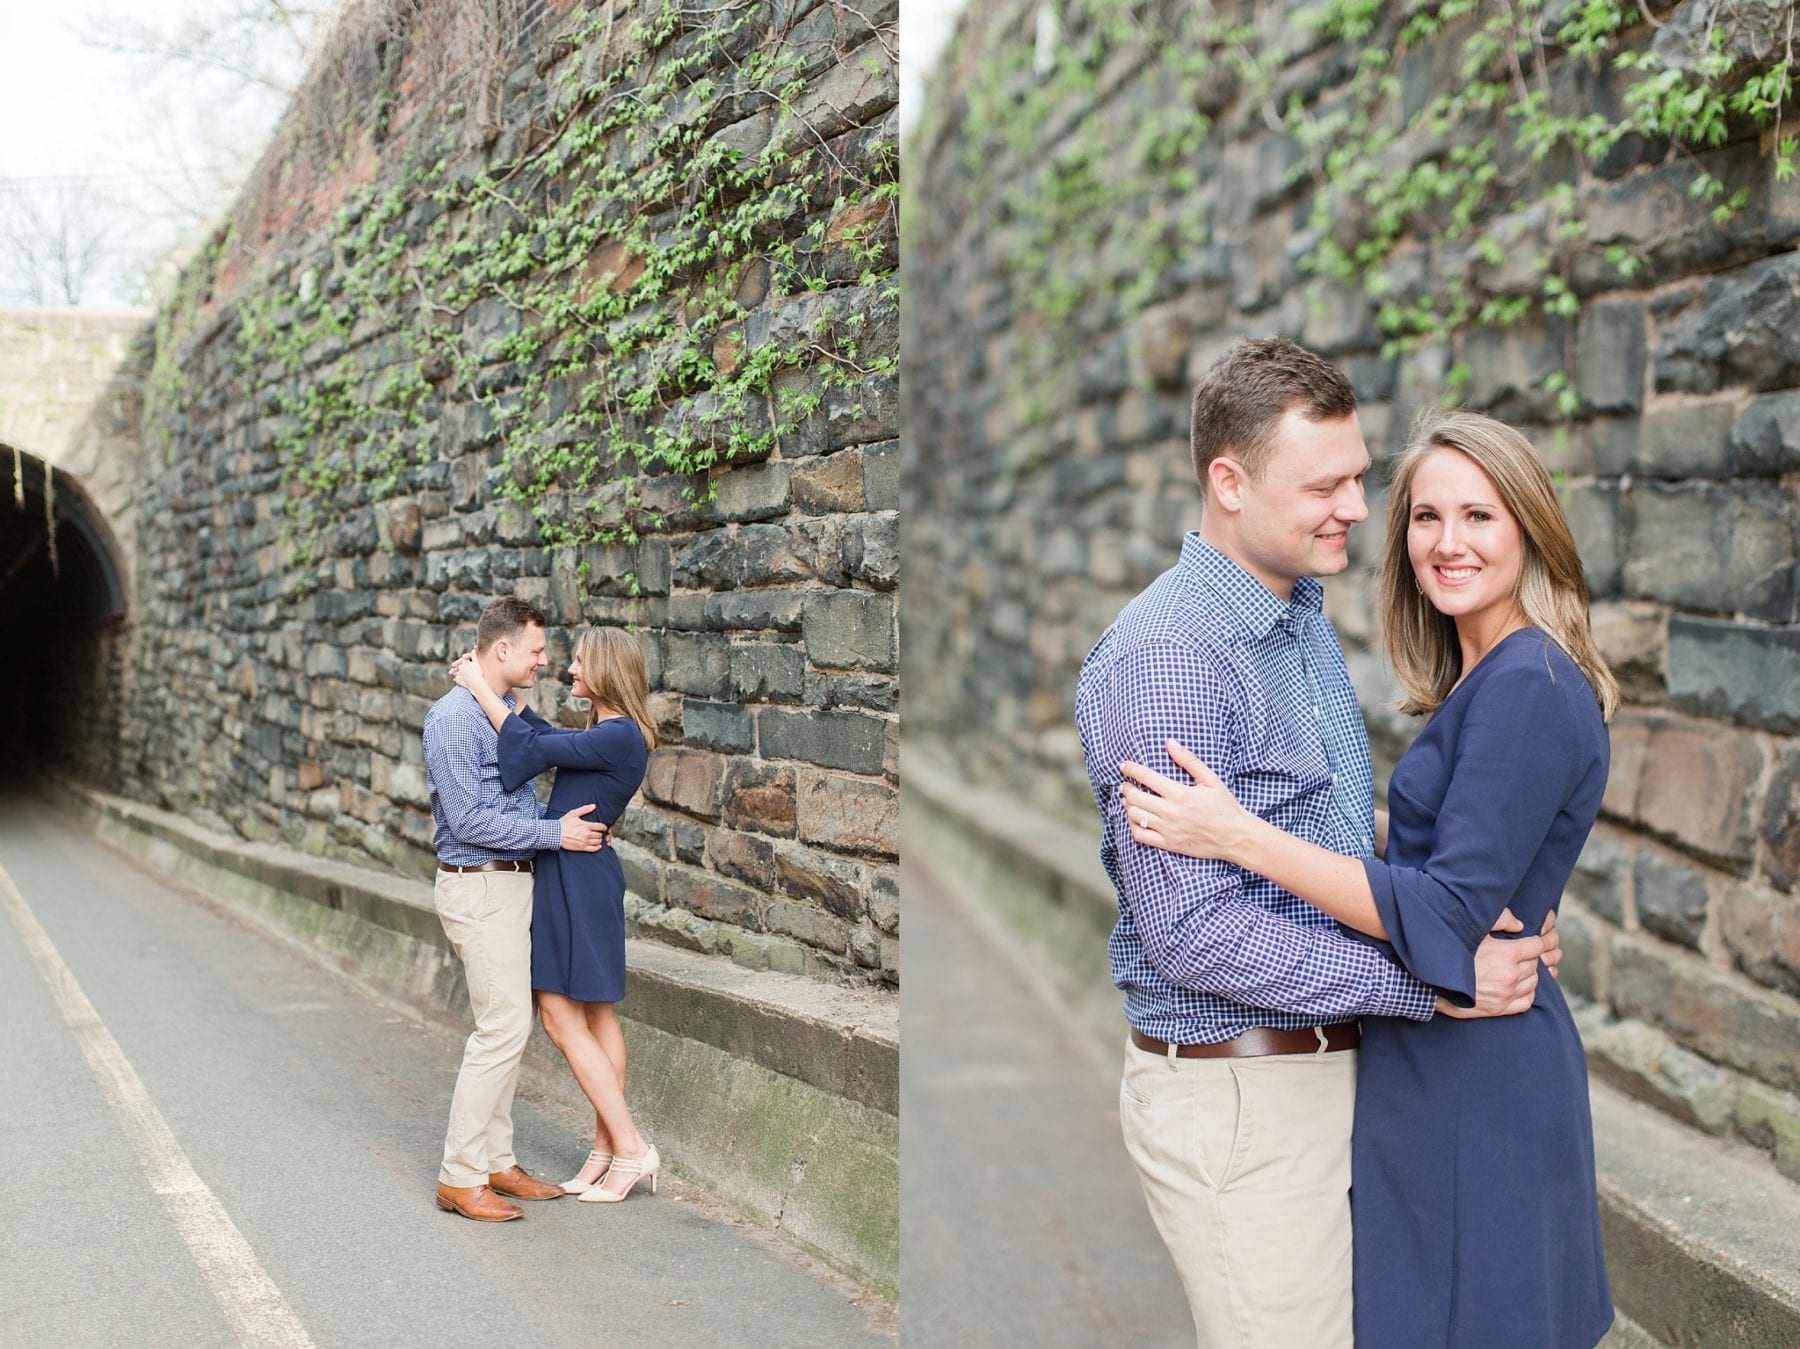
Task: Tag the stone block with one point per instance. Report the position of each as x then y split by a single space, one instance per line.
1765 441
752 492
1509 366
1780 824
777 554
831 485
1746 331
1761 929
643 870
1643 1062
1601 873
778 608
697 663
834 883
712 896
865 412
1593 513
852 741
1629 733
851 629
760 797
1634 639
884 901
1724 549
689 780
871 549
1686 441
1584 970
742 857
1160 338
727 727
707 561
326 662
1651 213
881 476
1697 788
808 924
877 693
1671 896
1770 1119
1719 1015
1610 356
764 672
849 814
687 840
1734 672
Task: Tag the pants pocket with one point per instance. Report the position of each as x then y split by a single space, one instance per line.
1216 1131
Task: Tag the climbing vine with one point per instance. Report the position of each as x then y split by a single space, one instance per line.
1092 135
676 264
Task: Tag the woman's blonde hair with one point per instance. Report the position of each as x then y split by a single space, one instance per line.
1421 642
612 667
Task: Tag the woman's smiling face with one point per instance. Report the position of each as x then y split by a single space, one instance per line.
1465 546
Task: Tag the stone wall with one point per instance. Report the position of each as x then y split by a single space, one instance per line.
1060 307
472 330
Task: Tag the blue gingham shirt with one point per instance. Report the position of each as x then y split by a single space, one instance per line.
1204 950
477 819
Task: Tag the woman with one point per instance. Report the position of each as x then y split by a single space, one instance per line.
578 901
1473 1200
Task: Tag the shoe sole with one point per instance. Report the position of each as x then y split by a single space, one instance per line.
475 1217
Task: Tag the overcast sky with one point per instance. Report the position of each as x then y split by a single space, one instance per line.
925 25
106 124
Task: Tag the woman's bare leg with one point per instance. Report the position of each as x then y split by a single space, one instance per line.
603 1024
566 1022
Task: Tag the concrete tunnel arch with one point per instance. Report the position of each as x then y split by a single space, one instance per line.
64 609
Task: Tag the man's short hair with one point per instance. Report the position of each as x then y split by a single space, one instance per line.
1246 392
506 618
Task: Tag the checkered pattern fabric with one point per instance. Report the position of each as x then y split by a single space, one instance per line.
477 819
1204 950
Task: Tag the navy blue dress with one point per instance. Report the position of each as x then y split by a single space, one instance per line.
1472 1199
578 898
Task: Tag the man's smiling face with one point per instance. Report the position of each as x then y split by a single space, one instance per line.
1296 518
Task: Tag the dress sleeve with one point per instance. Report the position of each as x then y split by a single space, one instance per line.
1517 762
529 745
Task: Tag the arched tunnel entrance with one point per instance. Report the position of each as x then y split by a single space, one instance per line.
63 614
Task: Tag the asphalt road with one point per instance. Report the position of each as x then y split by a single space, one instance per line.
215 1142
1021 1220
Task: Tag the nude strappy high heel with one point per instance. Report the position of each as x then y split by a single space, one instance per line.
575 1185
635 1167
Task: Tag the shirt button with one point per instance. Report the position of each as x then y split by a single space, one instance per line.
1319 712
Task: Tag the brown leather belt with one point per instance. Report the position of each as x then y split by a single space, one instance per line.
488 866
1262 1040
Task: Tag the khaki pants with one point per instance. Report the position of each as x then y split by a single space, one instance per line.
1246 1167
487 916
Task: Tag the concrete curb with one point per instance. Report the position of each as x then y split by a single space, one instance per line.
1702 1236
778 1093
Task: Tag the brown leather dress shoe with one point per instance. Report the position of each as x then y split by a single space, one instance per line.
477 1202
515 1181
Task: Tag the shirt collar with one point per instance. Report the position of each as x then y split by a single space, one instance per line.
1245 598
475 702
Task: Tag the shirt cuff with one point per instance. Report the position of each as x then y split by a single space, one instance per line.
1397 993
550 834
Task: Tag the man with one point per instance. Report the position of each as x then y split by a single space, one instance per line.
485 839
1240 1072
